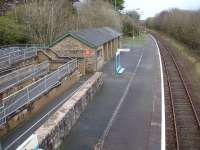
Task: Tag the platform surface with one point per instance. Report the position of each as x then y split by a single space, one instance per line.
126 112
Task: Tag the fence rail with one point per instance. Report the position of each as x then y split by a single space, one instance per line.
9 56
30 93
14 78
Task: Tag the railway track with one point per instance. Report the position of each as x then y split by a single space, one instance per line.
183 123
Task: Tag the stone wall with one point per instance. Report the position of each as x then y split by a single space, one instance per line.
69 44
71 47
52 132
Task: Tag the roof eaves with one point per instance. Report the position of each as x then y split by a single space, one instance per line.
59 39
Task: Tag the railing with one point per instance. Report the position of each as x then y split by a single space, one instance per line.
14 78
15 54
33 91
22 46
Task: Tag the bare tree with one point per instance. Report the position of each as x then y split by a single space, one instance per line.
184 25
46 19
98 13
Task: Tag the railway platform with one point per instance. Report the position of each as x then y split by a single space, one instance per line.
126 112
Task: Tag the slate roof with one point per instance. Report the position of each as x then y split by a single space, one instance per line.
98 36
93 37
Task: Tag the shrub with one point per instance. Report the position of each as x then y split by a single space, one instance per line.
11 31
130 27
183 25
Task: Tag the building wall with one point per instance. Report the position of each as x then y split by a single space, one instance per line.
100 57
70 47
94 59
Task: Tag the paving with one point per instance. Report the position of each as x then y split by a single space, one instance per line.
126 112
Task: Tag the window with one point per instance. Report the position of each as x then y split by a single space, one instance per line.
99 53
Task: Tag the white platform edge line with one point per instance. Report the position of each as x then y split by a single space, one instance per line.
116 111
163 137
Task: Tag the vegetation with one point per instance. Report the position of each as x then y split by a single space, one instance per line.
100 14
43 21
183 25
11 31
119 4
131 25
46 20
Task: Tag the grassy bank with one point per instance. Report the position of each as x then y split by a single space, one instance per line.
186 54
128 41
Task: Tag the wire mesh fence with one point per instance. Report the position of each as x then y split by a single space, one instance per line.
9 56
14 78
30 93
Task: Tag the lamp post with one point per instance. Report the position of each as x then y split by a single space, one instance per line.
115 5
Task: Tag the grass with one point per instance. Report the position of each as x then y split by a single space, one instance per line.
185 53
136 41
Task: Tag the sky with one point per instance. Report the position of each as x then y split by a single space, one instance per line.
148 8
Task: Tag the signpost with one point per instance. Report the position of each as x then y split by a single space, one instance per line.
118 68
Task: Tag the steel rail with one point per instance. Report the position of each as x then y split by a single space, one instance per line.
172 103
187 93
186 89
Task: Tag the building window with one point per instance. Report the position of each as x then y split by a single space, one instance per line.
99 53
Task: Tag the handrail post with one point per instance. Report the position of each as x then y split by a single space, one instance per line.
45 82
24 55
28 94
9 60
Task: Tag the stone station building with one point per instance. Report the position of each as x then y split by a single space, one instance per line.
92 47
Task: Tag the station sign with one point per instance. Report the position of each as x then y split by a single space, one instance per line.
89 52
124 50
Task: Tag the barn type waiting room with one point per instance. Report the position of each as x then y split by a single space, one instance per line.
94 47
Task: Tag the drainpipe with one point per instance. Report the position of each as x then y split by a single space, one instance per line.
96 58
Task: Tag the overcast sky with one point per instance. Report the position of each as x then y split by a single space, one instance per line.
151 7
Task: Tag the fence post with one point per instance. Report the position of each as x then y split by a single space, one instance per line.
45 82
9 59
24 55
68 68
4 113
76 63
18 77
59 74
28 94
34 71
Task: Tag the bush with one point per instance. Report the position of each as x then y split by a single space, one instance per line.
183 25
98 14
130 27
11 32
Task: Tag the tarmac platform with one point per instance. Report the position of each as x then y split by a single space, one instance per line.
126 113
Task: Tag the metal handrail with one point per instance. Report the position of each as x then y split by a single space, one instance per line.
32 71
7 60
30 93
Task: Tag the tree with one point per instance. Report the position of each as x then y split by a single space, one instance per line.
184 25
97 14
134 15
46 20
119 4
11 31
